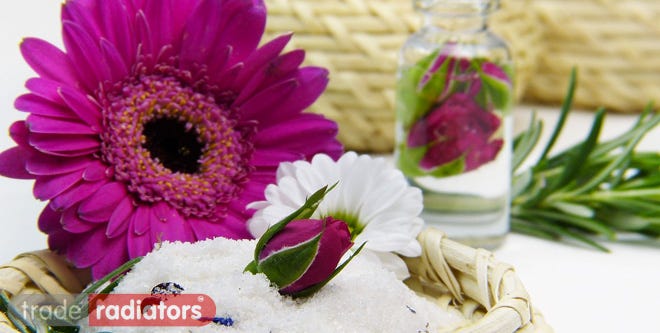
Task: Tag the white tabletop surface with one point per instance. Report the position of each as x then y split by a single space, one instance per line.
577 289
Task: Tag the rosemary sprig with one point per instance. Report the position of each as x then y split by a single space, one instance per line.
591 189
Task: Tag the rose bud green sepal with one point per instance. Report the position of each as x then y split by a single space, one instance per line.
300 255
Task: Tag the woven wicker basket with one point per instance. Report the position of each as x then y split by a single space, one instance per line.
615 44
487 292
358 41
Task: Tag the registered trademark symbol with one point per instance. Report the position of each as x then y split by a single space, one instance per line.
200 298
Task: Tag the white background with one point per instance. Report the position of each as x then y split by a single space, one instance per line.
577 289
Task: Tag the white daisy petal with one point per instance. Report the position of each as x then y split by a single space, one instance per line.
285 169
413 249
356 183
289 193
258 225
378 203
309 179
257 205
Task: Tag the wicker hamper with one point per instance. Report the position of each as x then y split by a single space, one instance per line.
358 41
488 293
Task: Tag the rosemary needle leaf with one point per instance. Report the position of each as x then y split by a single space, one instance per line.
525 143
565 109
577 160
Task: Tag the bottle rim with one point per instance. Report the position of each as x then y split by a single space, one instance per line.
456 7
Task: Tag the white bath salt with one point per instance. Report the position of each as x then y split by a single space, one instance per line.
364 297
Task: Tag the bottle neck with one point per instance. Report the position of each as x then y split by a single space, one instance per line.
456 16
464 24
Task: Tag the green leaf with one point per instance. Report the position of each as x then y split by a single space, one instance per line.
525 142
94 287
625 221
14 314
574 161
252 267
64 329
413 101
532 229
500 92
606 172
286 266
521 182
313 289
409 106
649 207
408 160
552 230
454 167
565 109
577 161
587 224
574 209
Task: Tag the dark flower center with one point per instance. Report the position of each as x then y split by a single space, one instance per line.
168 142
175 147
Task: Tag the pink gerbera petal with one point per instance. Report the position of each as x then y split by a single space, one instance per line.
41 124
278 69
80 251
82 105
72 222
138 244
141 220
96 171
258 59
18 132
273 157
46 89
120 218
100 206
116 22
49 165
75 194
172 229
85 53
49 143
48 61
12 163
49 220
116 254
118 68
47 187
38 105
207 230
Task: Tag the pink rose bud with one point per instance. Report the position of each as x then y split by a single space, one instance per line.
308 250
300 255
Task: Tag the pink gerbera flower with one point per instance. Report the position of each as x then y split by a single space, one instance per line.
161 121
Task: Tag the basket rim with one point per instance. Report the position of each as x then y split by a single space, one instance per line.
474 276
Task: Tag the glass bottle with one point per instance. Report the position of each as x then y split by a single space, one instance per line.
454 122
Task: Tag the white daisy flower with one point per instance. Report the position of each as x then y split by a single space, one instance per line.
371 196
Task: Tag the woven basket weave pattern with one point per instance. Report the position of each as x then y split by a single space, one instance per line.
358 41
615 45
